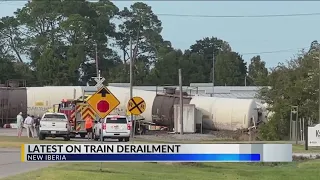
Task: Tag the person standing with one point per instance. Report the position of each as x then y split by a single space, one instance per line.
19 124
29 122
88 125
37 124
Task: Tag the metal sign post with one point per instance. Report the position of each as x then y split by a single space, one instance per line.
136 106
294 115
102 102
99 80
99 83
306 139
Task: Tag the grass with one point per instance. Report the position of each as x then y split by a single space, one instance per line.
14 142
301 170
305 170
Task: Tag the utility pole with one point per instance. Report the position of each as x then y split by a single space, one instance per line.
245 80
181 103
212 95
97 63
131 66
319 91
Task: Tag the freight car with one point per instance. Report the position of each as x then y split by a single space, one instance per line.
218 113
12 101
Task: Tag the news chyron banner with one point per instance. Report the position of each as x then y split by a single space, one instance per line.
156 153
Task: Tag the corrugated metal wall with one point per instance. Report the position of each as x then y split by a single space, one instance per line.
12 101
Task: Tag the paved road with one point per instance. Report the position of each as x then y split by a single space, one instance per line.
13 132
9 132
10 163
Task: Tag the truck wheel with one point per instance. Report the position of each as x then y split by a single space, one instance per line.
66 138
82 135
120 139
42 136
126 139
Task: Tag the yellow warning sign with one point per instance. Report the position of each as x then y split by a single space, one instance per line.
136 106
103 102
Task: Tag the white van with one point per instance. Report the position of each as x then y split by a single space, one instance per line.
113 127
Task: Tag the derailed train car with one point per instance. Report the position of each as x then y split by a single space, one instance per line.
218 113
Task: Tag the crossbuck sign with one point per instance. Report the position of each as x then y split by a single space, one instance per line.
99 80
314 135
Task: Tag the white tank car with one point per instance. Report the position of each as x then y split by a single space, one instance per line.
218 113
40 99
226 113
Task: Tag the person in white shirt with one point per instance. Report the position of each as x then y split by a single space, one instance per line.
19 124
29 122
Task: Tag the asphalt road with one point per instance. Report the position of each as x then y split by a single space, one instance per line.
10 163
13 132
9 132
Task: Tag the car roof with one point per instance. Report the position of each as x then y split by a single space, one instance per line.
118 116
54 113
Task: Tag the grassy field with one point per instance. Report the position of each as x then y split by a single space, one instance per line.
307 170
14 142
302 170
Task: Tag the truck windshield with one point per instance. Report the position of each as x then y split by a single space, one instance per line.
117 120
54 116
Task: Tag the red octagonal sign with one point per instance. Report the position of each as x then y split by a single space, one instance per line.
103 106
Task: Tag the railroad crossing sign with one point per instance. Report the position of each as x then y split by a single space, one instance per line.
99 80
136 106
103 102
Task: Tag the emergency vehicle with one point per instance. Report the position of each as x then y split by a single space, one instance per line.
77 110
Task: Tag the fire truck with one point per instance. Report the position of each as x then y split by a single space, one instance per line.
77 110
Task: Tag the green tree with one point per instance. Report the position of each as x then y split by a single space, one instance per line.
165 70
7 70
41 20
11 36
230 69
65 34
293 84
206 47
144 28
257 72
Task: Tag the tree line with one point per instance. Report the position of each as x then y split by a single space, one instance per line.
59 38
55 42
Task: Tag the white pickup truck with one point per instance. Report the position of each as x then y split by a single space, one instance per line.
54 125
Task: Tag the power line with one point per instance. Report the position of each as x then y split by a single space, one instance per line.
273 52
240 16
215 16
